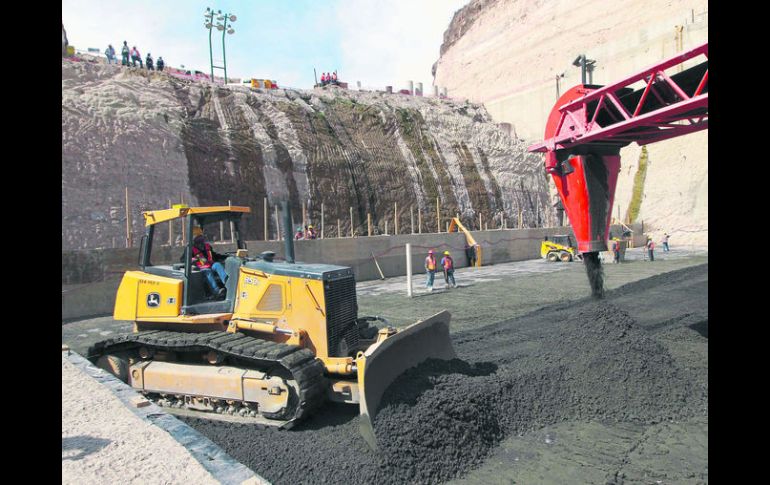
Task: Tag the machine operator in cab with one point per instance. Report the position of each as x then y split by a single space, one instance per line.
203 259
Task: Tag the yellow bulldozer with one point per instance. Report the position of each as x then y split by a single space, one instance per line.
280 339
559 248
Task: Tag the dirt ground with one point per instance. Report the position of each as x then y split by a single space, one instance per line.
549 386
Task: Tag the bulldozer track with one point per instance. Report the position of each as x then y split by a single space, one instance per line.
306 370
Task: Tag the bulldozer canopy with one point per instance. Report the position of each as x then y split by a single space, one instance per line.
179 211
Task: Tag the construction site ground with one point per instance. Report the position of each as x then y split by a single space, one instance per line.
549 386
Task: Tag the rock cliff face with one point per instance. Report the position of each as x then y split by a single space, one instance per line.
168 139
514 57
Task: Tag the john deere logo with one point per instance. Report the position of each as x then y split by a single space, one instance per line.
153 300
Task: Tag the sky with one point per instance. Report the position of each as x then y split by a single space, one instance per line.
379 43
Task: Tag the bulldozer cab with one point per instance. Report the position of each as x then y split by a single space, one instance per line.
197 298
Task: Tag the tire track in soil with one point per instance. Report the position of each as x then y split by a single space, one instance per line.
587 361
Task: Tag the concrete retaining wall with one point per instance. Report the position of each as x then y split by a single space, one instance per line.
90 278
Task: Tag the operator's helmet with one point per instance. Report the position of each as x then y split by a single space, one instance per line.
446 253
310 227
197 231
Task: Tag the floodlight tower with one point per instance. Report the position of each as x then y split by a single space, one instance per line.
219 20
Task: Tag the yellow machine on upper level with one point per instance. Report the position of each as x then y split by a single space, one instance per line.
471 244
275 343
559 248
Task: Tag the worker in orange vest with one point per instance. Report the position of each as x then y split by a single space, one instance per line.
449 269
203 259
430 270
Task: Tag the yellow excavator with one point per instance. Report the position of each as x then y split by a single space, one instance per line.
559 248
280 339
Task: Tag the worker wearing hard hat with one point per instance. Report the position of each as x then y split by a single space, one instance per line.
203 257
430 269
310 232
449 269
299 234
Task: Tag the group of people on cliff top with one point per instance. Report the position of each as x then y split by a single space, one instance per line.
329 78
134 56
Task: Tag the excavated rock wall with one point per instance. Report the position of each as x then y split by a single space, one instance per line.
515 57
168 139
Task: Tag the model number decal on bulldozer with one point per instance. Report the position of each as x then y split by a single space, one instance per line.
251 281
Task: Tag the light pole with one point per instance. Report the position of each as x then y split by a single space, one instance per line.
220 24
585 65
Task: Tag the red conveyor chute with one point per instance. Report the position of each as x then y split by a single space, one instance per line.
590 124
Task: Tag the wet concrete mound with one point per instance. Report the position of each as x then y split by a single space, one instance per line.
585 361
441 419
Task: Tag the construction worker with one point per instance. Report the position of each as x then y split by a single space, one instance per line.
160 64
665 242
615 251
651 248
203 258
470 253
449 269
149 63
310 234
125 52
300 234
334 78
430 270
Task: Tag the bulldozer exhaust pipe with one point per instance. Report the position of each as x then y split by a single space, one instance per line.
288 236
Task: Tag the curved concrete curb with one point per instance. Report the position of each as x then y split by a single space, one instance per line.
219 464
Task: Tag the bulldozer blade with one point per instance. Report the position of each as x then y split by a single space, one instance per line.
383 362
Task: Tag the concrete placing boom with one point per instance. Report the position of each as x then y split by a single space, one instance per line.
588 126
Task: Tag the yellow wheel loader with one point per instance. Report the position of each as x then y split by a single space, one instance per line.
281 339
559 248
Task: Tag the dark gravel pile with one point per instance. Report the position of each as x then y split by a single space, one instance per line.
588 361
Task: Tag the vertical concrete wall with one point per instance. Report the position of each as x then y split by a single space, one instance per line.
90 278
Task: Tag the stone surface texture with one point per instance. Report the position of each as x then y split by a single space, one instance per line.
104 442
168 139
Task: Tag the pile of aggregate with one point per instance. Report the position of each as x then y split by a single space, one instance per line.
584 361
